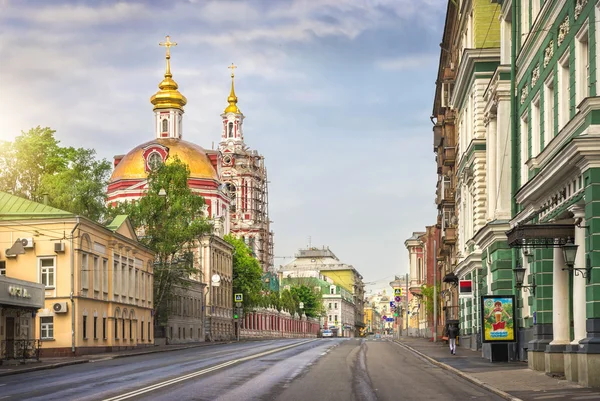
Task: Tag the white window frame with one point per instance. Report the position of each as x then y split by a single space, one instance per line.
52 268
105 275
47 328
582 64
85 276
535 127
564 91
96 273
549 97
524 147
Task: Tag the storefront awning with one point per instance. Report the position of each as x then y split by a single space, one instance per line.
540 235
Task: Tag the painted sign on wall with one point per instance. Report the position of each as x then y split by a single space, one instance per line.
497 318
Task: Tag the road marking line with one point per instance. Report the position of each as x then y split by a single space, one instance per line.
200 373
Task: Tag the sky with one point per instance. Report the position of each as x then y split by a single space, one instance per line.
337 96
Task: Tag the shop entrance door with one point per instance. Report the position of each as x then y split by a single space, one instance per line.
10 337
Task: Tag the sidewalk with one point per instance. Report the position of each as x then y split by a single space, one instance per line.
51 363
512 381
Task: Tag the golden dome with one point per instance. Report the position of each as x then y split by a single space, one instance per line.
133 165
232 99
168 97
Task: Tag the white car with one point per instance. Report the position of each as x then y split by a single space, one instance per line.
327 333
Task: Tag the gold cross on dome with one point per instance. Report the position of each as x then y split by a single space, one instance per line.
167 43
232 67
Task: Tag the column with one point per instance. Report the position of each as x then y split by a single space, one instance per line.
579 282
554 357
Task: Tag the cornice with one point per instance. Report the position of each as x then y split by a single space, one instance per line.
468 264
466 68
492 232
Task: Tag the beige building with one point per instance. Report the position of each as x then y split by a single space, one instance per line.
97 280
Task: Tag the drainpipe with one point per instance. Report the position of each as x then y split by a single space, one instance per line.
73 285
514 128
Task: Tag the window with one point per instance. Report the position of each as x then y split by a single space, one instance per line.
104 328
85 327
105 276
2 268
582 65
116 328
179 330
84 271
524 148
115 275
47 327
96 274
165 125
330 318
230 126
95 327
548 111
123 328
336 318
330 305
130 329
149 336
335 305
535 127
47 269
142 331
563 91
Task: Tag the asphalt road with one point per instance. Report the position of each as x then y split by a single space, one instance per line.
307 370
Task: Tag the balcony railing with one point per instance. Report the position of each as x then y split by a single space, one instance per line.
449 156
20 349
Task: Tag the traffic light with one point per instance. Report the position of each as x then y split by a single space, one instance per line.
395 314
235 316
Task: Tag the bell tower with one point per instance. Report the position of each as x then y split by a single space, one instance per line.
232 134
168 102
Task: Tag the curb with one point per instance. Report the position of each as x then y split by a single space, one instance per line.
460 373
45 367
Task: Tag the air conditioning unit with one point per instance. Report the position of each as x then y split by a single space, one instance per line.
59 247
27 242
60 307
9 255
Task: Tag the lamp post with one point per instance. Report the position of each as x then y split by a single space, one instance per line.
520 276
569 253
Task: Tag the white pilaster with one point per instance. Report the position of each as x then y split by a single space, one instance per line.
503 164
579 282
491 166
560 299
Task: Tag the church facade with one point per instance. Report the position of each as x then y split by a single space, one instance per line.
213 318
245 180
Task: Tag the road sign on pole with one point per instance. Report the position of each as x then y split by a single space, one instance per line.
397 299
238 297
397 292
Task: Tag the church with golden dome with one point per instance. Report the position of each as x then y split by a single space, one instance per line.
207 310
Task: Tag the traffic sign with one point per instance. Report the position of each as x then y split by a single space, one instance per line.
391 303
384 317
397 292
238 304
390 319
238 297
398 299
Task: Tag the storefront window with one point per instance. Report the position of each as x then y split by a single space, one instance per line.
47 327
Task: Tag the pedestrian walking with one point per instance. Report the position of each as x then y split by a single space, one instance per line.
452 334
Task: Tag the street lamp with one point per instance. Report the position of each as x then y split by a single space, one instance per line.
520 276
569 253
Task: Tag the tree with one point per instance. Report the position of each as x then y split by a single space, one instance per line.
247 273
170 219
35 165
312 300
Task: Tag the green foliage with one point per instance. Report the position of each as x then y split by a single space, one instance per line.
312 300
35 164
427 292
170 222
247 274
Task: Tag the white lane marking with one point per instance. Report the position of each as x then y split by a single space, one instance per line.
2 384
199 373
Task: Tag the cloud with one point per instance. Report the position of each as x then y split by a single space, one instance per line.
407 63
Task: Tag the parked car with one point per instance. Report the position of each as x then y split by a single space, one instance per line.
327 333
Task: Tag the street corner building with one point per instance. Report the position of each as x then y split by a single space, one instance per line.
70 285
517 144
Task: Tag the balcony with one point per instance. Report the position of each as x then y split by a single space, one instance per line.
450 235
449 156
448 195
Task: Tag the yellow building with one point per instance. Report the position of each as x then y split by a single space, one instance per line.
98 280
373 322
346 276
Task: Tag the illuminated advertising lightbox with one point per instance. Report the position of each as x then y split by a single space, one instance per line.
497 318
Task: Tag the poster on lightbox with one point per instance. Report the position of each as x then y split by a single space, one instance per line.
497 317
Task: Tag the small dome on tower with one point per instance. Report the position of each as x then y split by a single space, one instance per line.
168 97
232 99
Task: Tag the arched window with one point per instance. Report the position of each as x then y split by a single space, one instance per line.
165 125
230 125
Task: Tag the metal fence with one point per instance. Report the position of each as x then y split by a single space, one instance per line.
20 349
